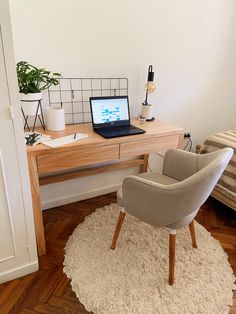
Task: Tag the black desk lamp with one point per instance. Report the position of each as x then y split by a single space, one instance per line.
149 88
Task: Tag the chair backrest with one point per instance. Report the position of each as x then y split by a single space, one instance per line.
200 185
163 205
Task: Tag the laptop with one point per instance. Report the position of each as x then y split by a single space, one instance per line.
111 117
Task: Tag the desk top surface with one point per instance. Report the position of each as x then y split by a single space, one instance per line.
153 129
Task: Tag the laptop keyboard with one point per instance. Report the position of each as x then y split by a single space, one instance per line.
119 131
123 131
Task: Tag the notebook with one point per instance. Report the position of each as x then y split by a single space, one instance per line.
65 140
111 116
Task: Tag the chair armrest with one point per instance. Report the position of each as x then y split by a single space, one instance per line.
179 164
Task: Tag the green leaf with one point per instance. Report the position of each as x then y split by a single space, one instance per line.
33 80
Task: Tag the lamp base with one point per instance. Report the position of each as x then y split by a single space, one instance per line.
146 112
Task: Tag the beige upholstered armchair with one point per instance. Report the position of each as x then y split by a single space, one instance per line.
172 199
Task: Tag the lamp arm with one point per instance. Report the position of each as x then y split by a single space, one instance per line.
149 78
145 103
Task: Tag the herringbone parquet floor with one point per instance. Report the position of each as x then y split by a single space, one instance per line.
48 290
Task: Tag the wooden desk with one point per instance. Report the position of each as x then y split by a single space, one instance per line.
85 157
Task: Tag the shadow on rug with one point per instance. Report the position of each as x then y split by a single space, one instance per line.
134 277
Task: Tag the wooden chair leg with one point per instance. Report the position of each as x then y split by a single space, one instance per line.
172 240
117 229
193 235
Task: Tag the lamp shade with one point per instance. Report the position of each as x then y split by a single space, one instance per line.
150 74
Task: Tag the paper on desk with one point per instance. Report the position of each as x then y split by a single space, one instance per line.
65 140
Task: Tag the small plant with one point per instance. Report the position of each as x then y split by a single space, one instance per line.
34 80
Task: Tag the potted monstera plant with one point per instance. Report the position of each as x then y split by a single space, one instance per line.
32 81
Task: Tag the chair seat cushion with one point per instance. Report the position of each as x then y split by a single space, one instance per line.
155 177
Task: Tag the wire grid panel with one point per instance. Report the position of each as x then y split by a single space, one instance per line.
73 94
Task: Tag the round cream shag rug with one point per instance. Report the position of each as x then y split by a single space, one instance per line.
134 277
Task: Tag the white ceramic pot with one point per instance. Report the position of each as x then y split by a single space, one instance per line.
29 103
55 118
146 111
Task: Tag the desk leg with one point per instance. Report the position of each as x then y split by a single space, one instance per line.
145 162
38 217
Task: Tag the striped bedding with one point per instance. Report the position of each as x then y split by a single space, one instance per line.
227 183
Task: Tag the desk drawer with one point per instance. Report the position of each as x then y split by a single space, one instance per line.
147 146
76 158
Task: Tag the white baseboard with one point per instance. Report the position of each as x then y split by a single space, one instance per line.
19 272
79 197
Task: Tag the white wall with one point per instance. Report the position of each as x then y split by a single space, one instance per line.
191 45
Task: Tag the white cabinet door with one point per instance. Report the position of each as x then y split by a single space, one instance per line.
16 256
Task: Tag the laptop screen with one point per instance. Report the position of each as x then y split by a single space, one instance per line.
110 111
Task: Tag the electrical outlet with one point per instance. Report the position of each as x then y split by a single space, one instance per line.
187 135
